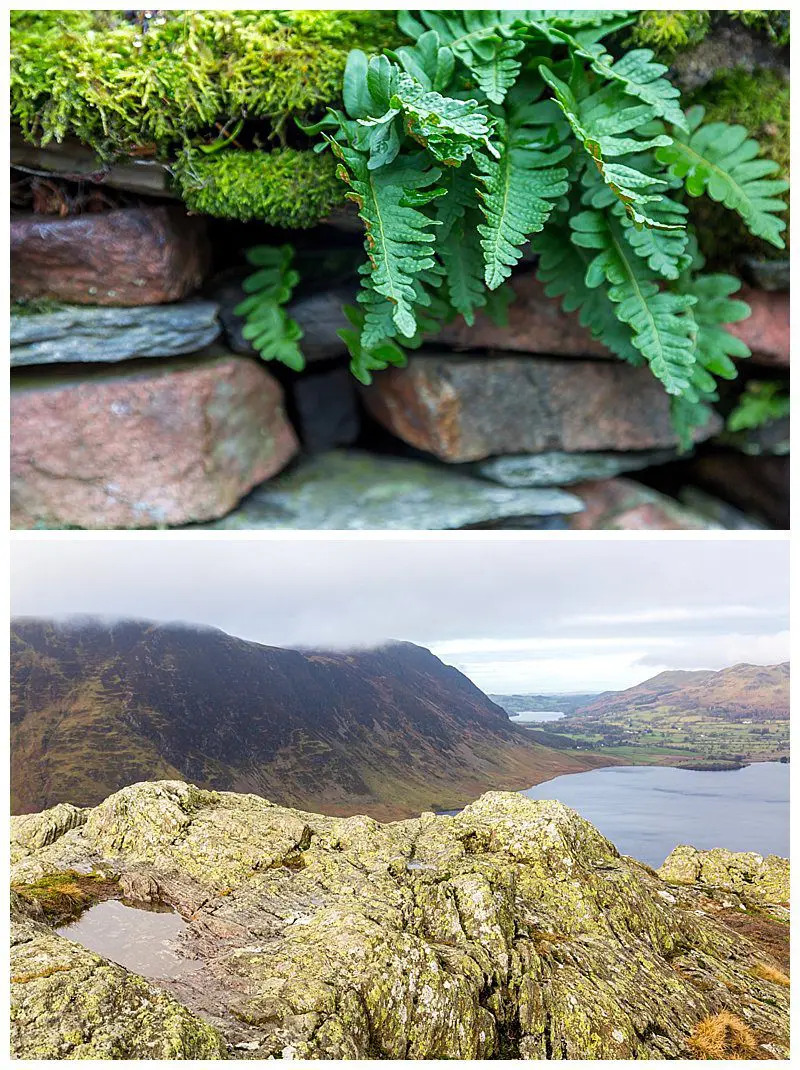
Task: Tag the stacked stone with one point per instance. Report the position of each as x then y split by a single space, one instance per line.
141 404
126 411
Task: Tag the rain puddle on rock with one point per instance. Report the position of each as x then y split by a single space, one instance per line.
140 939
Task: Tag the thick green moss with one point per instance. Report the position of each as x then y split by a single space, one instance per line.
667 32
286 188
122 85
758 101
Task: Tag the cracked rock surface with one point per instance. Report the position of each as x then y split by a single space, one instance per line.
512 930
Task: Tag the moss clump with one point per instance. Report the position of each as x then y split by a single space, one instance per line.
290 188
58 897
759 101
122 86
668 32
775 24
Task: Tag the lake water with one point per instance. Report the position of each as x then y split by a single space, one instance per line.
528 716
647 810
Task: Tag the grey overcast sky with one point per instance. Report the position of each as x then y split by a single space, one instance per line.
514 615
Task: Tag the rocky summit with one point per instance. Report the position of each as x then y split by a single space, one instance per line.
512 930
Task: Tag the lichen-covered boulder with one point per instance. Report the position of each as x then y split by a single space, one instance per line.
751 875
512 930
85 1007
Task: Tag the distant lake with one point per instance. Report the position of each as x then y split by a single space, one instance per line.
526 716
647 810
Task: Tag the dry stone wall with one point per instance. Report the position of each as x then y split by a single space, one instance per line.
137 402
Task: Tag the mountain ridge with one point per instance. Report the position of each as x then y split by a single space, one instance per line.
391 729
743 689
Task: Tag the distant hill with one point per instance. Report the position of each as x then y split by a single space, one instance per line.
756 692
390 731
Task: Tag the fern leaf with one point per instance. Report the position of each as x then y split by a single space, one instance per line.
562 270
663 249
644 78
484 41
268 327
428 62
662 323
449 129
723 161
520 191
596 122
457 243
715 309
366 359
399 237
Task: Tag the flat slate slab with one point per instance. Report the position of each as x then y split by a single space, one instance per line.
351 490
81 334
556 469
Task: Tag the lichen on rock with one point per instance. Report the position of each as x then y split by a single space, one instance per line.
512 930
761 879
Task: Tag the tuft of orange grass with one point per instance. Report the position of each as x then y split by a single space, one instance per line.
723 1036
770 973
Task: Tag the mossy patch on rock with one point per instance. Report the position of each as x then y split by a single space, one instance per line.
668 31
291 188
59 897
152 83
514 929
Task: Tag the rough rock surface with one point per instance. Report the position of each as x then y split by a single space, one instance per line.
326 409
351 490
513 930
755 877
766 330
623 505
88 335
467 408
130 256
556 469
536 324
144 445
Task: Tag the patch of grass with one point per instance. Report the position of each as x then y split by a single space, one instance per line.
723 1036
59 897
769 973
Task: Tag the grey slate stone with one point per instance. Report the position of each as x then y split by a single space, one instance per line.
557 469
351 490
84 334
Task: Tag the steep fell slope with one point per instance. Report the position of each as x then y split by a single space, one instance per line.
391 730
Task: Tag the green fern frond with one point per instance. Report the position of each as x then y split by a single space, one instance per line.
364 360
759 404
399 237
723 161
714 310
457 243
520 190
268 328
449 129
597 121
663 327
663 249
484 41
562 270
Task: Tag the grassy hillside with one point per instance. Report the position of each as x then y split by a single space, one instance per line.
390 731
